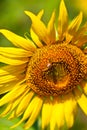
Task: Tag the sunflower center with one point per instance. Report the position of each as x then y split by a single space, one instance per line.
56 70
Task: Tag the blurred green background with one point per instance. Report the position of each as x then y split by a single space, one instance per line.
12 17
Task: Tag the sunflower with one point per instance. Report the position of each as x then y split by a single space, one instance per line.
47 74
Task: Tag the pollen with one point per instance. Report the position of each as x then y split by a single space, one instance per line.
56 69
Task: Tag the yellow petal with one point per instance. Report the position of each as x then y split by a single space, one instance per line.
18 40
73 27
12 115
33 34
62 20
82 40
46 113
81 100
24 103
17 91
51 28
85 87
12 105
39 28
80 33
69 110
35 38
34 114
15 104
57 115
31 107
8 69
14 52
18 100
68 38
5 89
7 78
7 86
32 110
40 14
12 61
5 112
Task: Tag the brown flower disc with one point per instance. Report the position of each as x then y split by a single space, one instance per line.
56 70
